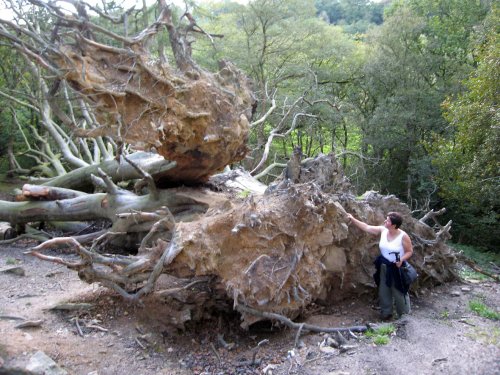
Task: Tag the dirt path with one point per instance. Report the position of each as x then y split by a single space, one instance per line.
441 336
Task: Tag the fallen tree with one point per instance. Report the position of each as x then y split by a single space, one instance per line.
227 239
276 251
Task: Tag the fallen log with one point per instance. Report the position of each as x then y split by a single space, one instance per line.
6 231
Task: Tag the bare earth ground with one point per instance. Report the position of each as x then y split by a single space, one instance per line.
441 336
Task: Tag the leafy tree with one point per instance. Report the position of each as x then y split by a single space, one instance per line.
416 60
469 161
354 16
298 61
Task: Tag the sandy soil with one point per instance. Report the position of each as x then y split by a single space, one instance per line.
441 336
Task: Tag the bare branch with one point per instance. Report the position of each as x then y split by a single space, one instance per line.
274 133
302 326
266 115
432 215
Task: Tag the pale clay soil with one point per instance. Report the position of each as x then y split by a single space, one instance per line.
440 336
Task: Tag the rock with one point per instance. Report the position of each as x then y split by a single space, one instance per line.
41 364
268 370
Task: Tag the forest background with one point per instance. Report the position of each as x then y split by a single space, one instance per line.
404 92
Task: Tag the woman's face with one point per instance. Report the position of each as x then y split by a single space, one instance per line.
388 222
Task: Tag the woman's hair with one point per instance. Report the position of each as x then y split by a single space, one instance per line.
396 219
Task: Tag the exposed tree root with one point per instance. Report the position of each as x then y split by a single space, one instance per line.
299 326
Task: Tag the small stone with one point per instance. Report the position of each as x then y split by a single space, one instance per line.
456 293
42 363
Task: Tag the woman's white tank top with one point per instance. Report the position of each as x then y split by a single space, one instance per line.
388 247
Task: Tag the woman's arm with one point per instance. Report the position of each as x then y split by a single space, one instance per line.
407 248
372 229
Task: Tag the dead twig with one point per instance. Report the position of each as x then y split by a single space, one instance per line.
254 361
95 326
140 343
29 324
11 317
166 292
223 343
78 328
216 353
291 324
297 336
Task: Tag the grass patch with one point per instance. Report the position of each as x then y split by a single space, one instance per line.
381 335
488 337
467 274
244 193
445 314
381 340
483 258
10 261
478 307
6 185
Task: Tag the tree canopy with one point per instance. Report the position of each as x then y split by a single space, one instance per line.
404 92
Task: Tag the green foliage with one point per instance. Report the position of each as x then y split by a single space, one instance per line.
467 157
418 57
483 258
15 82
479 255
381 340
286 49
404 97
488 337
354 16
10 261
381 335
478 307
244 193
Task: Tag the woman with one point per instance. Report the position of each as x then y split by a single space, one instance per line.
395 247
